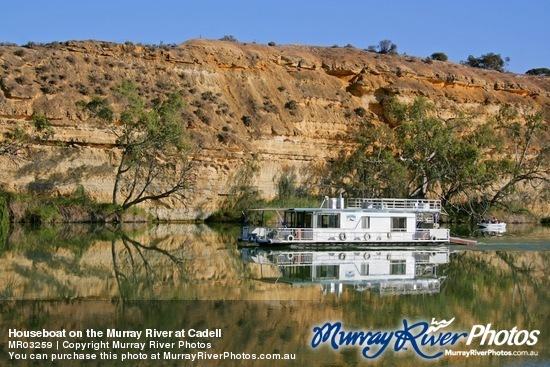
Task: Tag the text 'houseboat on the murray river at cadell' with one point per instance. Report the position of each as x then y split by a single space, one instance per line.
340 221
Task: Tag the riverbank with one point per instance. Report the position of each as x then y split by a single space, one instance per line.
77 208
80 208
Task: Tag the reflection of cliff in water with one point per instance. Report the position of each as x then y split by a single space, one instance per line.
212 288
85 262
385 271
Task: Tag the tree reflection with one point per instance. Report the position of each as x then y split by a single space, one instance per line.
499 287
83 261
139 268
523 275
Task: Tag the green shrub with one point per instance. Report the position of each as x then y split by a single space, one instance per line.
539 71
490 61
360 111
43 213
291 105
228 38
384 47
43 129
247 120
441 56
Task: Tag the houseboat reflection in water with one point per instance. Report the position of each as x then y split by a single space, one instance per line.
385 271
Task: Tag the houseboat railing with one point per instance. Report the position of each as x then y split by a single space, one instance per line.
420 286
397 204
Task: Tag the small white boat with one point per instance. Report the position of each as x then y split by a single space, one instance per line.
341 221
497 227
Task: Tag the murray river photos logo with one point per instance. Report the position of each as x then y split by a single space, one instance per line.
427 340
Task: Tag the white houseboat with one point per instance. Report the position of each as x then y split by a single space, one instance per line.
383 270
352 221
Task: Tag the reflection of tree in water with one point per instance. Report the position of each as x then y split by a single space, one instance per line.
499 287
81 261
139 268
522 273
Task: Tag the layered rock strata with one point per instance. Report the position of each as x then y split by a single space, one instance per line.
253 111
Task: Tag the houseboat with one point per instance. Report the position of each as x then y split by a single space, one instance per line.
383 270
350 221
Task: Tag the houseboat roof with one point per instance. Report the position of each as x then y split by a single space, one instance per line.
270 209
368 205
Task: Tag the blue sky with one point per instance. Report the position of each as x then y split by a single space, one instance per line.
516 29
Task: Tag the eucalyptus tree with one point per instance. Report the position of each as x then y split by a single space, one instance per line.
155 154
423 145
527 155
372 169
468 163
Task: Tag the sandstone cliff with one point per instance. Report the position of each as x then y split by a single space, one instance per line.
277 109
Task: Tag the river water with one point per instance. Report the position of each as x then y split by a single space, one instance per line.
92 295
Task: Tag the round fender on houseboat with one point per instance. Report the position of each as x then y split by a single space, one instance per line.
290 256
342 256
367 236
389 234
290 237
366 256
434 238
342 236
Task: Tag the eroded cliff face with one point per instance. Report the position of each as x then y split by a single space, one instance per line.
255 112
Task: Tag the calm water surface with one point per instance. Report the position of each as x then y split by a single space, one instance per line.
174 277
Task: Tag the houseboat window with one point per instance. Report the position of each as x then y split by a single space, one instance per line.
302 273
399 224
306 220
398 267
298 219
327 272
328 220
365 222
365 269
289 218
